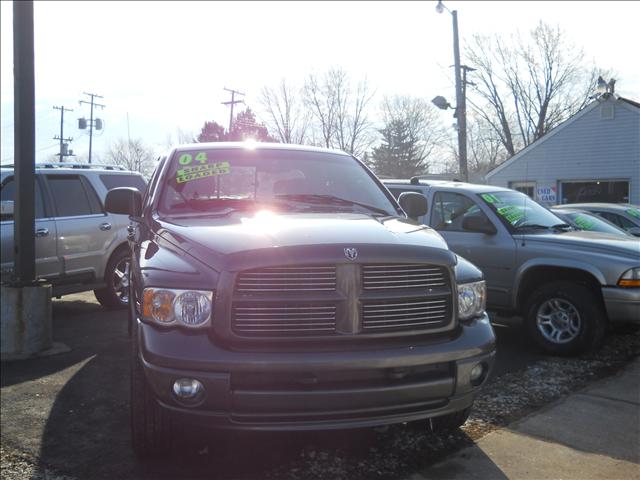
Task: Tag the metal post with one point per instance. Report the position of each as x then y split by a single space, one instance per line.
24 143
461 104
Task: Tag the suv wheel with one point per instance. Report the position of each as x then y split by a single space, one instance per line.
565 318
116 294
150 424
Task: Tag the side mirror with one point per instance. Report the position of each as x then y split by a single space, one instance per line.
124 201
478 223
414 204
6 210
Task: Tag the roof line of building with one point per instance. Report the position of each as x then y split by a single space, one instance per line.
557 129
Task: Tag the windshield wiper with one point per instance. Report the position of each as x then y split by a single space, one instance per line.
331 200
536 226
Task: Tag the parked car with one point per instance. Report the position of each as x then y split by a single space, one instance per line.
583 220
79 246
624 215
566 284
280 287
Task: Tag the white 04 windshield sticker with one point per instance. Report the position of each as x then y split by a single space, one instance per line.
201 171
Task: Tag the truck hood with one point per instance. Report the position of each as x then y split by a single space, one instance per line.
587 241
242 232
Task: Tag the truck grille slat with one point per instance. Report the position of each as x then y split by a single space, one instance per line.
432 313
284 320
287 280
378 277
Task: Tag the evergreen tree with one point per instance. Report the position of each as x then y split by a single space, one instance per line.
245 126
400 154
212 132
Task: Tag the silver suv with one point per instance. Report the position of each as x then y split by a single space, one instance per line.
79 246
567 285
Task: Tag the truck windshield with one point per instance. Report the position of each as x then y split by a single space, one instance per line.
519 212
219 181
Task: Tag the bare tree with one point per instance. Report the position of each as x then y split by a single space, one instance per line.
422 119
285 116
132 154
179 137
526 88
340 114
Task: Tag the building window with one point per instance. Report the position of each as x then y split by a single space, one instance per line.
528 188
583 191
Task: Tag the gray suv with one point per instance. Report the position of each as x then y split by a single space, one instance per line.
566 284
79 246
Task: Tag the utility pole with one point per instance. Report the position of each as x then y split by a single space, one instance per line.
461 103
63 147
98 124
232 103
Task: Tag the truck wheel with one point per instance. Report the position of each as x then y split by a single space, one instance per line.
150 425
116 294
565 318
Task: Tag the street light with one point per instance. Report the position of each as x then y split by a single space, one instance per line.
461 104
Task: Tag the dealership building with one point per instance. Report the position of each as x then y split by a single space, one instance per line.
593 156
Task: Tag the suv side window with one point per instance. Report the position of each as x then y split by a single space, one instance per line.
72 196
8 192
618 220
450 209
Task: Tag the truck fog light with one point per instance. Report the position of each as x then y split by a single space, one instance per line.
477 374
188 390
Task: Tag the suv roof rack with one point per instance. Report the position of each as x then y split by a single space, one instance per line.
83 166
415 180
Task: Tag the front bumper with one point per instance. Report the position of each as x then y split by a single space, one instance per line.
622 304
316 390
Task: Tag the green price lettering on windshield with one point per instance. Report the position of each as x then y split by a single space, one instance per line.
583 222
633 212
489 198
511 213
201 157
201 171
185 159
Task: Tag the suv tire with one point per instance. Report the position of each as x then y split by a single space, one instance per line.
565 318
116 294
150 424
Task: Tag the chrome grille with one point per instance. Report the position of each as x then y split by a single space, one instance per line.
392 315
390 277
287 279
277 320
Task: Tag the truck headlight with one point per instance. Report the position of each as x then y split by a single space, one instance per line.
472 298
167 306
630 278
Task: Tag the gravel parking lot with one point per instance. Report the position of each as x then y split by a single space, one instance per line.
66 416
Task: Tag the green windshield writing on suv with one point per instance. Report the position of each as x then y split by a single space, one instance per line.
519 211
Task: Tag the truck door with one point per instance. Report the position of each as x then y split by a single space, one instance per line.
493 254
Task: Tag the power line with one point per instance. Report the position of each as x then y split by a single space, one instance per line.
232 103
98 122
63 146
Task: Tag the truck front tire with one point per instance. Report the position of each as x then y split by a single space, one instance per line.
565 318
150 424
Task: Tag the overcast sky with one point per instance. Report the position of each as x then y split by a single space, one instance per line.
163 65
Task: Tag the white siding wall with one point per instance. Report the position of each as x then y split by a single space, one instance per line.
589 148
